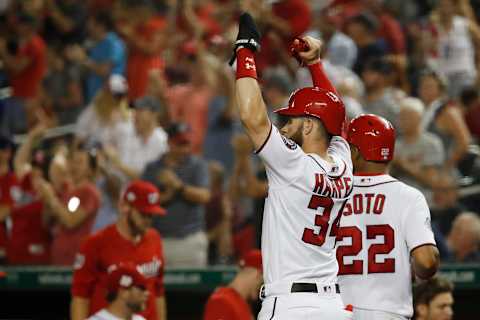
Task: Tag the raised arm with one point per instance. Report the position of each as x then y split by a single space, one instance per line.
250 104
307 51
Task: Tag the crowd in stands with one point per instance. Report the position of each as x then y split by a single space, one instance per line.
97 93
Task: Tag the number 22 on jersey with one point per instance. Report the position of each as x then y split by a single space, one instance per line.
373 232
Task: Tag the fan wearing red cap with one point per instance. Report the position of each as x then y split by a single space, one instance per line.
309 172
385 230
129 241
126 294
233 301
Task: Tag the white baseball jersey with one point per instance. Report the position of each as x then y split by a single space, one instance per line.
305 196
382 223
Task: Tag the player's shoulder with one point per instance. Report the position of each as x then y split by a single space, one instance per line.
223 294
152 236
106 234
409 191
277 138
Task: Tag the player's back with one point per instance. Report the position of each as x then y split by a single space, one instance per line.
305 197
382 223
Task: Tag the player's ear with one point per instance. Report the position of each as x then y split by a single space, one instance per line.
307 126
354 153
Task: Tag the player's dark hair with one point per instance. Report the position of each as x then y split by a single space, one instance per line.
111 296
425 292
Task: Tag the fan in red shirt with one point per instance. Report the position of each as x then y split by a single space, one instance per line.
232 302
142 32
130 240
26 67
8 188
74 206
29 237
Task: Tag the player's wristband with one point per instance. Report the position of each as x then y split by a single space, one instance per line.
319 78
246 67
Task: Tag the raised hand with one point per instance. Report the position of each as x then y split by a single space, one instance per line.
248 35
306 50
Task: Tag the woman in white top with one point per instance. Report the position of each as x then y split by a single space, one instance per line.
100 121
456 38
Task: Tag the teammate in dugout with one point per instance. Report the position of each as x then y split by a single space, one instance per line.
130 240
309 173
232 302
385 230
126 294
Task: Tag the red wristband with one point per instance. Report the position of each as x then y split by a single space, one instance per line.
319 78
246 67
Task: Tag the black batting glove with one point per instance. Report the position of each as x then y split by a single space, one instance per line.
248 35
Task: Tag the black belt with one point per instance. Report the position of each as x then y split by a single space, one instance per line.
312 287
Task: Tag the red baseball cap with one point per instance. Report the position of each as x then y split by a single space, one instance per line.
144 197
253 259
125 276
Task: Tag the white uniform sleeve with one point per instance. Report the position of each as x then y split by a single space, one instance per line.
417 225
340 148
283 158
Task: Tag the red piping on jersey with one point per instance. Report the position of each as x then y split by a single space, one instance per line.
368 174
335 177
266 140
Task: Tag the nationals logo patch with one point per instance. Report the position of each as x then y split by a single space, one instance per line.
289 143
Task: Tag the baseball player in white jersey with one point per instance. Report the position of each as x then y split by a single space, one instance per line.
384 231
309 173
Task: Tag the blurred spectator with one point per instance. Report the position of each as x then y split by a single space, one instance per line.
126 294
62 87
74 208
470 99
340 48
100 122
65 21
105 57
378 97
29 240
464 238
130 241
138 144
244 189
218 217
362 29
8 191
233 301
142 31
278 22
276 91
109 186
222 122
419 155
443 118
434 299
184 181
389 28
454 41
189 102
24 58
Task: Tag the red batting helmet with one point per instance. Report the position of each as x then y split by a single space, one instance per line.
374 137
318 103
